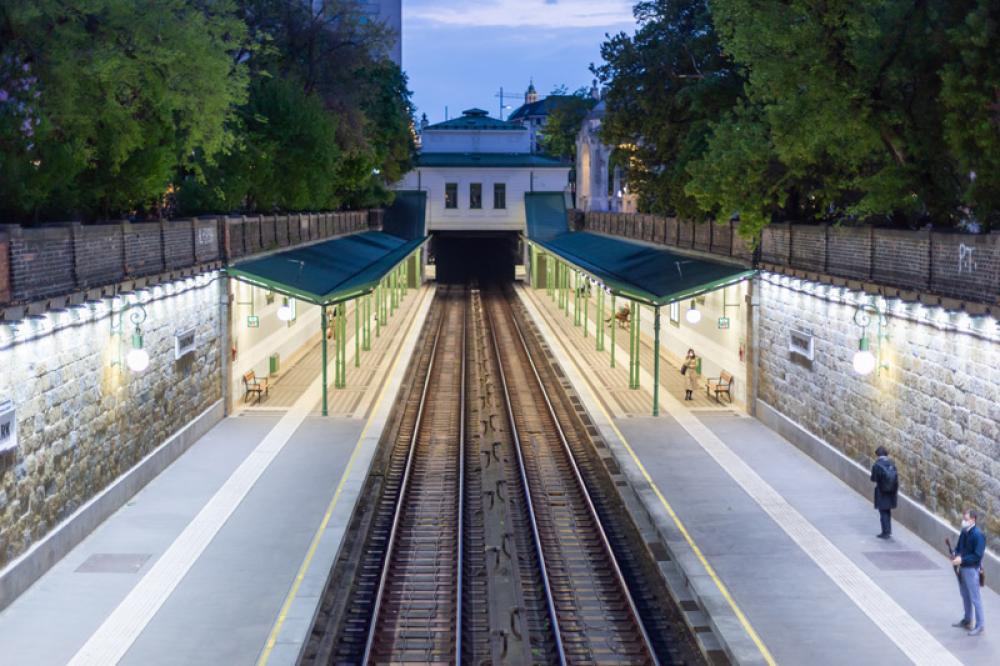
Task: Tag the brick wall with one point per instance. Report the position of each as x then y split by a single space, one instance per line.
4 268
959 266
38 263
931 406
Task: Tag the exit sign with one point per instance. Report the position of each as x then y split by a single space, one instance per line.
723 323
253 321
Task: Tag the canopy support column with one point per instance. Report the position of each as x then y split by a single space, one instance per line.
357 331
576 298
378 309
599 331
340 380
586 305
634 330
322 323
614 325
367 341
656 361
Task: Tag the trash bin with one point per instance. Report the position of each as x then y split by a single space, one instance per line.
274 364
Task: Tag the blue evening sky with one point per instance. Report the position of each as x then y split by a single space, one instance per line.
458 53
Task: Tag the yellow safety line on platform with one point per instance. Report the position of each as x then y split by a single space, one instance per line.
272 638
754 636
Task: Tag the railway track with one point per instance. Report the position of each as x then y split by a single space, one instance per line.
485 543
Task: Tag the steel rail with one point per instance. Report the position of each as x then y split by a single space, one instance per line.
549 598
579 479
404 487
461 487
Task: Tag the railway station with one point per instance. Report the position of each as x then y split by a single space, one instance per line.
501 419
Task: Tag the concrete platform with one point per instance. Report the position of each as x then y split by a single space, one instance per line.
780 552
221 559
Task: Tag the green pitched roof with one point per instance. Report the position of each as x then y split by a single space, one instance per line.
485 160
331 271
475 119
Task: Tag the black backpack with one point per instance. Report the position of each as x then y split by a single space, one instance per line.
888 482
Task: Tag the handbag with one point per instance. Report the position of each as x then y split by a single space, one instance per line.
684 369
982 577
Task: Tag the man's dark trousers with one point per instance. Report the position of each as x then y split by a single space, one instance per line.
885 515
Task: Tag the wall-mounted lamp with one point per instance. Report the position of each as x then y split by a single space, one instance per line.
865 361
693 315
137 358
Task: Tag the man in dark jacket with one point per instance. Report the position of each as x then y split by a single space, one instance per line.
886 489
968 557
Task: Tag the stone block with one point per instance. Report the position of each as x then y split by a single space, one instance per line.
808 247
722 238
206 240
776 244
902 258
98 254
294 229
849 251
685 233
143 248
281 230
703 236
178 243
234 238
267 234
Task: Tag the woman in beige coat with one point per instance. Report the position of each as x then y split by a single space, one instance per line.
690 370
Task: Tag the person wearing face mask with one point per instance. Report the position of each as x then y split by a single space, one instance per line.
968 557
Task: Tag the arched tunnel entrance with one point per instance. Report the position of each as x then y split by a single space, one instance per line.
488 257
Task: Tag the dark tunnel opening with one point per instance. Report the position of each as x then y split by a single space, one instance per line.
488 257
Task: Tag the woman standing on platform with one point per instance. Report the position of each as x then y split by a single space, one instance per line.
689 368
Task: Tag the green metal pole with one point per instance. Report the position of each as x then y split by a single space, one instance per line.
378 310
357 332
599 331
343 345
656 361
614 325
586 306
366 340
631 348
322 323
638 333
576 298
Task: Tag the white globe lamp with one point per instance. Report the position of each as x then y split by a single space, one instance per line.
285 312
864 360
693 315
137 360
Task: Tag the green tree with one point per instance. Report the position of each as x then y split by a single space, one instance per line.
564 122
665 85
284 161
847 98
109 98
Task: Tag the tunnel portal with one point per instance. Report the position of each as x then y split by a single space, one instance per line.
488 257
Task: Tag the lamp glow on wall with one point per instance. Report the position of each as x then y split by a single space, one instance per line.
865 361
285 312
137 358
693 315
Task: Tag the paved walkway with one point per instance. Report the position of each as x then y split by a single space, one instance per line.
784 552
226 551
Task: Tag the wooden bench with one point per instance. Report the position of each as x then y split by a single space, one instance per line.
622 317
720 384
252 385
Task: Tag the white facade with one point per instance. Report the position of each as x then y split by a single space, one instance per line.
476 153
517 181
475 141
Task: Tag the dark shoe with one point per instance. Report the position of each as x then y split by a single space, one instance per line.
962 624
883 536
976 631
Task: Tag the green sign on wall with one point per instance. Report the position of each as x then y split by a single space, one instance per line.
253 321
723 323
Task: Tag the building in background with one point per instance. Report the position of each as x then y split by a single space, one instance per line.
390 13
534 113
599 187
476 170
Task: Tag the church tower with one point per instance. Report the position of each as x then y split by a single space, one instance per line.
531 95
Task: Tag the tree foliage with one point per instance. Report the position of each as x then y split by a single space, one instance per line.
109 106
665 85
564 121
845 110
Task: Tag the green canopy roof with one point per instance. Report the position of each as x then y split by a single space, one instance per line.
653 275
331 271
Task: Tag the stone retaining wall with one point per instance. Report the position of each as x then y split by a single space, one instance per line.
935 407
83 419
957 266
